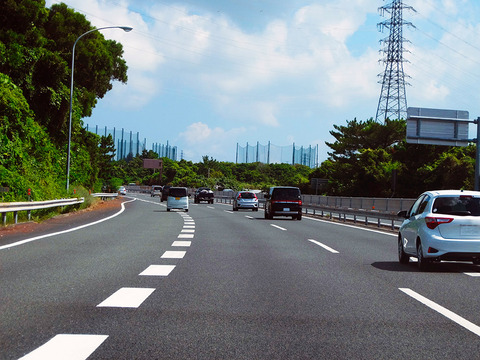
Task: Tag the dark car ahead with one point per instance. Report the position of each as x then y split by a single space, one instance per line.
283 201
165 190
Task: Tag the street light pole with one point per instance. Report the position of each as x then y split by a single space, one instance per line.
124 28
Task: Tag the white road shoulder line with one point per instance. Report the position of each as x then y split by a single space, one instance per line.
350 226
67 346
278 227
324 246
127 298
445 312
65 231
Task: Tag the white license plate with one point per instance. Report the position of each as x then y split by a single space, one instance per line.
469 230
286 209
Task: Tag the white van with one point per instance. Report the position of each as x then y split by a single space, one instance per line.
177 198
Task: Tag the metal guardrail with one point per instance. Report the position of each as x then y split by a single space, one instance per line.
104 196
15 207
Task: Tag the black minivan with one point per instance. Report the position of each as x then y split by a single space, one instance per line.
283 201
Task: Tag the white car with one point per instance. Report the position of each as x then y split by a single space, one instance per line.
245 200
441 225
177 198
122 190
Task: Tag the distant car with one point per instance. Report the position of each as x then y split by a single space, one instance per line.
122 190
283 201
164 196
156 191
177 198
441 225
245 200
203 194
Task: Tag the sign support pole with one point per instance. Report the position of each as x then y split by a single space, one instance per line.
477 157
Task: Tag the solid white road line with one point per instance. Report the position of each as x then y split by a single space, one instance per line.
65 231
174 254
445 312
350 226
278 227
158 270
182 243
472 274
127 298
324 246
66 346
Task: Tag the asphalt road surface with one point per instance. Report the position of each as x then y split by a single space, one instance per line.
139 282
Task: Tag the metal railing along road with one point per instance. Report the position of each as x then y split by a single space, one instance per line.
380 211
28 206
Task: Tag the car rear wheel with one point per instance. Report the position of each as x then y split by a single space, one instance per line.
402 257
423 263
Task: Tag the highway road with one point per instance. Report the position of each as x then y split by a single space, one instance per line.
144 283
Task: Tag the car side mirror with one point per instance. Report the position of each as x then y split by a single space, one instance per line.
403 214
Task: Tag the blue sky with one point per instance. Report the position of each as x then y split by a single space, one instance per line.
206 75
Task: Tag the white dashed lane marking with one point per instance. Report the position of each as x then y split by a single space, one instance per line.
67 346
328 248
444 311
182 243
127 298
173 254
158 270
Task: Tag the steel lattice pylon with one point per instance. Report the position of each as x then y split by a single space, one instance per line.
393 101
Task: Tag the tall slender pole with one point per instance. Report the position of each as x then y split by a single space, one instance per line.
477 157
124 28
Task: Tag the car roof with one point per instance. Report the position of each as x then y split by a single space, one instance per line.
453 193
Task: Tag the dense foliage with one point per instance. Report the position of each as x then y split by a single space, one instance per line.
35 55
373 159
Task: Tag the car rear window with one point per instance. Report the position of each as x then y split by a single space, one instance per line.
286 194
177 192
247 195
457 205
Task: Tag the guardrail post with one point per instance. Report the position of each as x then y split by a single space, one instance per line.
4 218
29 214
15 216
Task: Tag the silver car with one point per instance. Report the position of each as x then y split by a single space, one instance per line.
441 225
245 200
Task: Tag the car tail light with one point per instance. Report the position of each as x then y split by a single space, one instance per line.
433 222
239 197
255 197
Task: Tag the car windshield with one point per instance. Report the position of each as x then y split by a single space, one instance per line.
177 192
286 194
457 205
247 195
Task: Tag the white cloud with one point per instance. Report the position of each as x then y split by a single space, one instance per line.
203 140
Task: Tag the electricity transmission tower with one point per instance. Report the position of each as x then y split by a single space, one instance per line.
393 101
